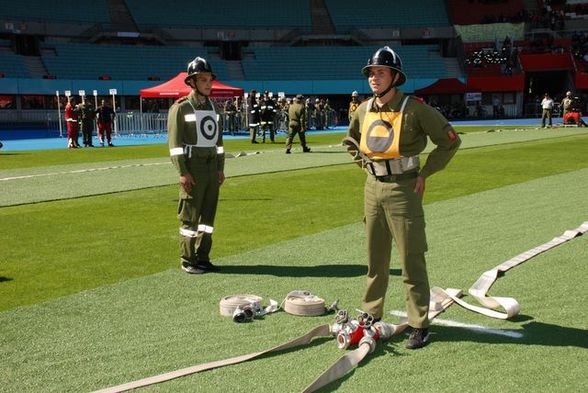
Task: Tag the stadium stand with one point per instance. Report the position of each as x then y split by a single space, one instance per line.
79 11
122 62
300 63
349 14
315 47
471 12
226 14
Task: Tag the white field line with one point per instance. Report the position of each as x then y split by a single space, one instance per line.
229 155
82 171
467 326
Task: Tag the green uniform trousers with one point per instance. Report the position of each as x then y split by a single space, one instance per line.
393 211
196 211
294 129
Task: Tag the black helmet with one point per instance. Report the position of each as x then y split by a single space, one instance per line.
388 58
197 66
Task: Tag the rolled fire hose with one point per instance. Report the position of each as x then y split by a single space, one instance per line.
304 303
511 307
228 304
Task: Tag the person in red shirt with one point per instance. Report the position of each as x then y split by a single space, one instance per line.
73 127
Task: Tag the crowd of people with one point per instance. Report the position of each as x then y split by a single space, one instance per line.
266 115
83 116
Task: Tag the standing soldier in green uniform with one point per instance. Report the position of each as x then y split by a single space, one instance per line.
386 135
86 115
197 152
297 124
353 105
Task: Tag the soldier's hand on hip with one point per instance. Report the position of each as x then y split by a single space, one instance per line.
419 187
187 181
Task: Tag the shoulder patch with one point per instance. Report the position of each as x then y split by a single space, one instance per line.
419 99
181 99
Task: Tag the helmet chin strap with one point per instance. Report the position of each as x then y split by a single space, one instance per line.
194 86
389 87
198 92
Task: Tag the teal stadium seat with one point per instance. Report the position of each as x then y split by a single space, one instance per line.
223 14
348 15
336 63
77 11
123 62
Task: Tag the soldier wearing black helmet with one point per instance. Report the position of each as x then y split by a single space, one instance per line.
386 136
196 149
297 124
254 115
268 111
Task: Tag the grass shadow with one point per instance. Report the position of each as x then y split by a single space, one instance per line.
301 271
3 279
533 333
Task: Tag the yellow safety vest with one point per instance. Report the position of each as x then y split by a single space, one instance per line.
380 133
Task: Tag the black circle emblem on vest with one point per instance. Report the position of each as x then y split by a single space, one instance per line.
379 144
208 127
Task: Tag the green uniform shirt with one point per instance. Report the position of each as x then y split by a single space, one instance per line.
297 115
181 133
420 121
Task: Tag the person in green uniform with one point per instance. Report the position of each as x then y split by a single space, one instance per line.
353 104
196 149
297 124
386 135
87 114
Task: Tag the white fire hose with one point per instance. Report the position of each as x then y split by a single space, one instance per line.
305 303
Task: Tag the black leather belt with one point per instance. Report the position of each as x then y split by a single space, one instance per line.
396 178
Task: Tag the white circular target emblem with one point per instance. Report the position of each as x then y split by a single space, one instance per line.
208 127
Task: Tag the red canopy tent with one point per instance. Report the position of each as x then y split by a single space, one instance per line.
443 86
176 88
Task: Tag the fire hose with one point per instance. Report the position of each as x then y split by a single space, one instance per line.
512 308
362 331
366 341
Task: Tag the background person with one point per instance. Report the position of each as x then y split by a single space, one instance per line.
105 116
86 115
297 124
566 104
71 120
196 149
547 107
254 115
353 104
388 132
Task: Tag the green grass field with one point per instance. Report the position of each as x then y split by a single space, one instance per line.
91 294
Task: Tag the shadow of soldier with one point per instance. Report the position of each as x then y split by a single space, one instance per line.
533 333
342 270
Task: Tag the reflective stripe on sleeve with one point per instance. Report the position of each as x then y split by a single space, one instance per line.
176 151
188 232
220 150
205 228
